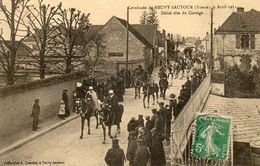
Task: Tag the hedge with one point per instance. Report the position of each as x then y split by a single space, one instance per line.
16 88
218 77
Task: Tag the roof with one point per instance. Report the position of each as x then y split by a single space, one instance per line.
29 39
22 50
93 30
241 22
145 33
190 40
148 31
245 116
136 33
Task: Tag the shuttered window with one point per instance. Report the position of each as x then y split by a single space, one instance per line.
237 41
244 41
252 41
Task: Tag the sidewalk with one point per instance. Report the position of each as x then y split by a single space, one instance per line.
10 143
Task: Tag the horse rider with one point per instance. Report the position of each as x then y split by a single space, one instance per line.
113 105
137 85
94 97
78 95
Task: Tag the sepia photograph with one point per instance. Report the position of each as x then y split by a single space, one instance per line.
129 83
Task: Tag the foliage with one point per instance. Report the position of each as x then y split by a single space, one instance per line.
13 16
239 83
41 20
149 17
152 17
16 88
72 26
218 77
143 18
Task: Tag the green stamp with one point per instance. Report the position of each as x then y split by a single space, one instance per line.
211 137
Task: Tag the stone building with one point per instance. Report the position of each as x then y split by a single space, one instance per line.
237 40
108 42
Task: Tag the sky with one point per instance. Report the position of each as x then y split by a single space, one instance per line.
189 24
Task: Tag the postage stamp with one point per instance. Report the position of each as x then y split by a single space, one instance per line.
211 137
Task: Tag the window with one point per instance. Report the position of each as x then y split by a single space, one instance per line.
244 41
115 54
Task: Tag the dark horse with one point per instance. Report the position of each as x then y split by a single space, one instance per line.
88 110
148 90
138 84
163 83
110 117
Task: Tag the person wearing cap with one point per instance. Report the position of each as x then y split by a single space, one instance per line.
153 116
94 97
65 99
131 148
148 123
157 149
35 114
115 156
132 124
113 105
143 154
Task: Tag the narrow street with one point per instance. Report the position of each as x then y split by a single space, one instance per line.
63 144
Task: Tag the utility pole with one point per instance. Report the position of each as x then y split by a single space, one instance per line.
127 36
211 42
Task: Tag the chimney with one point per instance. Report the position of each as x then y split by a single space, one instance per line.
164 33
240 9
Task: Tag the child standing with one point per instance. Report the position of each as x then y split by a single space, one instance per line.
61 113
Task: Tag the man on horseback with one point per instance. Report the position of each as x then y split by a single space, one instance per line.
94 97
137 84
163 83
78 95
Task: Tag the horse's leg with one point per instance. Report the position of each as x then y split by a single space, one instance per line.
109 131
148 100
153 98
144 100
96 116
82 127
118 128
104 132
135 92
164 93
88 119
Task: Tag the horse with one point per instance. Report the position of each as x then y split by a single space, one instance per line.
137 84
110 117
163 84
148 90
88 110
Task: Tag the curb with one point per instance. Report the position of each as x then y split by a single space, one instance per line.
20 143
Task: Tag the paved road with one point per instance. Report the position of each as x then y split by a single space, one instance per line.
63 144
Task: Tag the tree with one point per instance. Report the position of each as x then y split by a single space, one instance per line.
43 33
152 17
144 17
177 40
72 26
13 17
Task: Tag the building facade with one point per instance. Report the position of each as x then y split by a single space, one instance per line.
237 40
142 43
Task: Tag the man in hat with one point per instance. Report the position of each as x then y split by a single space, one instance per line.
131 148
65 99
153 116
94 97
35 114
113 105
143 154
157 149
115 156
148 124
132 124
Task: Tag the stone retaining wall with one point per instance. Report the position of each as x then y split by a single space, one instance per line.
15 109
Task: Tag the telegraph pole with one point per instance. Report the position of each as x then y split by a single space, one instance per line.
127 36
211 42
